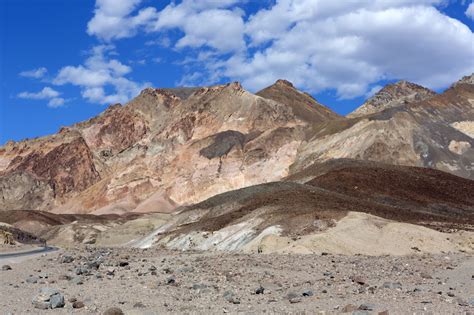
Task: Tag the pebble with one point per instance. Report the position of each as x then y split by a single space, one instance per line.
230 297
113 311
78 304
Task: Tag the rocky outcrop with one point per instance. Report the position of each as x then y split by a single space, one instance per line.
393 95
67 168
22 190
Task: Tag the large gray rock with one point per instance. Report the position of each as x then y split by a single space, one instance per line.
48 298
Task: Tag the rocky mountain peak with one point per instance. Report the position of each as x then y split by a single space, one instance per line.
468 79
284 82
303 105
392 95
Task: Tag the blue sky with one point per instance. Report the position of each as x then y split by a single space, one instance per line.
64 61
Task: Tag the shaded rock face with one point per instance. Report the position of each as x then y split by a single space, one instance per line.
393 95
223 143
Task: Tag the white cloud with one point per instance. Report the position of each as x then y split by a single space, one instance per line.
208 23
470 11
98 73
35 73
112 19
347 46
56 102
45 93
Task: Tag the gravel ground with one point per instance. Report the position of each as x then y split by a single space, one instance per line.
156 281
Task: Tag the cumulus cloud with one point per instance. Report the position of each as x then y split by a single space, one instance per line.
470 11
112 19
35 73
215 24
346 46
56 102
98 73
46 93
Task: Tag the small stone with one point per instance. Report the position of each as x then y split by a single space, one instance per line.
32 279
229 296
78 304
392 285
199 286
81 270
171 280
6 267
139 305
308 293
295 300
425 275
451 294
367 307
384 312
66 259
123 263
260 290
113 311
48 298
349 308
358 280
64 277
77 280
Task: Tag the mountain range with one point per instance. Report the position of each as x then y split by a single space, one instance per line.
212 158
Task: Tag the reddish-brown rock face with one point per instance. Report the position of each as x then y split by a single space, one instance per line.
115 130
67 168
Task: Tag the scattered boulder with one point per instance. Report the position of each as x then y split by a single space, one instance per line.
6 267
48 298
